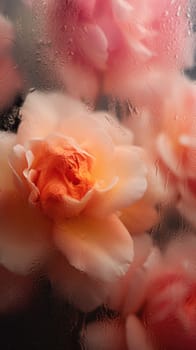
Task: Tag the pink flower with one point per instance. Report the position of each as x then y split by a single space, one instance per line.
109 45
166 130
10 80
176 146
169 311
159 312
73 171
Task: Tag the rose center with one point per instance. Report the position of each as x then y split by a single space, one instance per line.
63 171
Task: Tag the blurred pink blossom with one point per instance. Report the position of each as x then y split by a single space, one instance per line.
158 309
166 129
169 312
109 45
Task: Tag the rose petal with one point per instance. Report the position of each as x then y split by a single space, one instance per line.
122 296
132 172
81 82
76 287
130 187
106 335
39 117
25 239
94 45
15 291
166 151
101 248
6 143
122 9
136 335
46 114
131 217
120 135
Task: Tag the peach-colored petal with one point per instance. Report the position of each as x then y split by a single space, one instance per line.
166 151
124 294
131 170
6 143
25 241
134 298
136 335
120 134
131 217
39 117
15 291
44 114
19 163
74 286
56 174
101 248
105 335
129 187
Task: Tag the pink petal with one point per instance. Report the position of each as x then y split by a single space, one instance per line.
122 9
80 82
166 152
106 335
93 44
136 335
124 294
101 248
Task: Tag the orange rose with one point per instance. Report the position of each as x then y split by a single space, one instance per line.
77 170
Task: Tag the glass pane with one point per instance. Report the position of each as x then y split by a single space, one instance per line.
97 174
